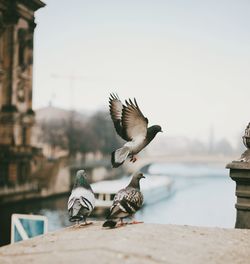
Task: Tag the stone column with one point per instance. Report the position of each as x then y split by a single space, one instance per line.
240 173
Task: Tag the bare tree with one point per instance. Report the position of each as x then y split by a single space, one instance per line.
77 134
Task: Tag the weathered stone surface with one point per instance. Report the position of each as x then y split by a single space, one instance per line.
142 243
239 165
240 173
17 24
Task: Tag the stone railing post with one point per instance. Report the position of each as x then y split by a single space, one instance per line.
240 173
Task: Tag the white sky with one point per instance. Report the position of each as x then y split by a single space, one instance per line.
186 62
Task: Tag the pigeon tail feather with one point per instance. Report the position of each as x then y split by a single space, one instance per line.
114 163
119 156
109 223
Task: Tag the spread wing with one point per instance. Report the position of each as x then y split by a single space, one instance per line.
115 108
134 123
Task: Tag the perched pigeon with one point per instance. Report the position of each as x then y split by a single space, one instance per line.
132 126
82 199
126 202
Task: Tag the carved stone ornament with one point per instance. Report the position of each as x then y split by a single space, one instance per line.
21 91
246 137
245 157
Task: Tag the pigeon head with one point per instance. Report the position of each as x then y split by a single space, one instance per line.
157 129
138 176
135 181
152 131
81 180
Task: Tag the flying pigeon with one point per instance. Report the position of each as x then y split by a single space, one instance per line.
82 199
132 126
126 202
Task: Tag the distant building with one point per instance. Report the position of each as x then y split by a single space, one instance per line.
17 156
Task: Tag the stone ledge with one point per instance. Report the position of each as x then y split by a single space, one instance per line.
142 243
238 165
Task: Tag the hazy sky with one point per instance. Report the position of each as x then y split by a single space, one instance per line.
186 62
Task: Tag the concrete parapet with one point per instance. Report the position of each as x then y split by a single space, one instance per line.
142 243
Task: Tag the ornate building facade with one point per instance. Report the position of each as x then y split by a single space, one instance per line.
17 156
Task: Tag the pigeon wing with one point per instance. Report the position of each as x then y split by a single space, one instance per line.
134 199
126 202
71 202
116 209
134 123
86 198
115 108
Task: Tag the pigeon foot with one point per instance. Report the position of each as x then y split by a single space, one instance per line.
85 224
136 222
133 159
121 224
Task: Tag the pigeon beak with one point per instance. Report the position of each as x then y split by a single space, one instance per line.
143 177
161 131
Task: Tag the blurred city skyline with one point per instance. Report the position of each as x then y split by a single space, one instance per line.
186 62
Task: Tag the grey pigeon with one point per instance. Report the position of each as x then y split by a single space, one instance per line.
132 126
126 202
82 199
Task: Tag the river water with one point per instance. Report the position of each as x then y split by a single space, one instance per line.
202 195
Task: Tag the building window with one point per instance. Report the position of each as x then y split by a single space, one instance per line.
24 132
4 169
23 172
21 39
